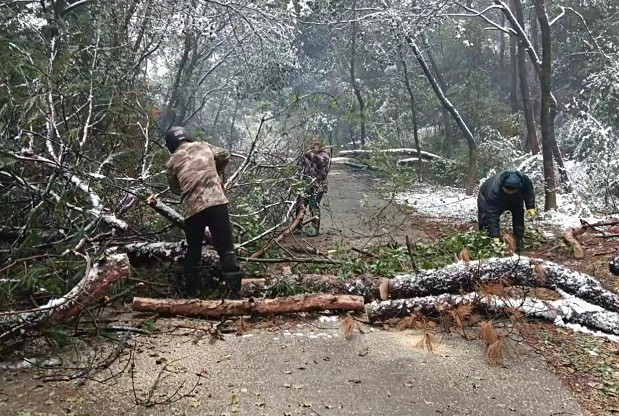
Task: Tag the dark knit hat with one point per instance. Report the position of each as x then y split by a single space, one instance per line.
511 180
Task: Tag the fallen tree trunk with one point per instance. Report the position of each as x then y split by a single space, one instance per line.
514 270
569 310
217 309
394 152
87 292
367 287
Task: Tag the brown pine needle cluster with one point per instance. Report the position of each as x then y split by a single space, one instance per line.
464 255
349 325
496 345
510 242
428 341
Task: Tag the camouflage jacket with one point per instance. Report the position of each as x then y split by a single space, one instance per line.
192 174
316 165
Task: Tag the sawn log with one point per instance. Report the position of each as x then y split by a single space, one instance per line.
216 308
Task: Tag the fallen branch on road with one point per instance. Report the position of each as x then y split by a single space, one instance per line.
217 309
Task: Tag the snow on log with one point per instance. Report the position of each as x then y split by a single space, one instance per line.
394 152
614 264
217 309
564 312
367 287
516 270
97 278
145 253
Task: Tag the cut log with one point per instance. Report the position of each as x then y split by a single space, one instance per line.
516 270
570 237
614 264
217 309
569 310
394 152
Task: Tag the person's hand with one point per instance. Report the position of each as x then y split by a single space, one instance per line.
531 213
496 241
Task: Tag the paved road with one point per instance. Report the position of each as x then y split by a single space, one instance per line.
313 370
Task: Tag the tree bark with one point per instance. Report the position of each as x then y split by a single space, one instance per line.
353 77
561 312
513 71
97 278
449 142
411 96
548 139
217 308
532 143
470 183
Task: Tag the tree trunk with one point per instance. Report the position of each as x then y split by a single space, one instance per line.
353 77
532 143
513 71
218 309
411 96
470 183
548 139
536 92
563 311
502 45
449 142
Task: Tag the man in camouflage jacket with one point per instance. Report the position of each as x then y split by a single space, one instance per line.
315 165
193 173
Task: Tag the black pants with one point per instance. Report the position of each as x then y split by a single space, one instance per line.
217 220
484 218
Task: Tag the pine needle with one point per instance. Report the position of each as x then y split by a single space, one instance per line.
461 315
349 325
464 255
497 351
488 333
243 326
428 341
410 322
510 242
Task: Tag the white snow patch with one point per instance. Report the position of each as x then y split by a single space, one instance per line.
440 201
334 318
453 203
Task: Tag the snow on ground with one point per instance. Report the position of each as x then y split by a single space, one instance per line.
446 202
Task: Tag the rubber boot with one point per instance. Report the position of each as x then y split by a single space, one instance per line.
233 282
231 273
192 280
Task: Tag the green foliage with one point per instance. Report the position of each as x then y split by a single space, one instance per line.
285 287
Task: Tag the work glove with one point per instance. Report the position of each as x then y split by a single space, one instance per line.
531 213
